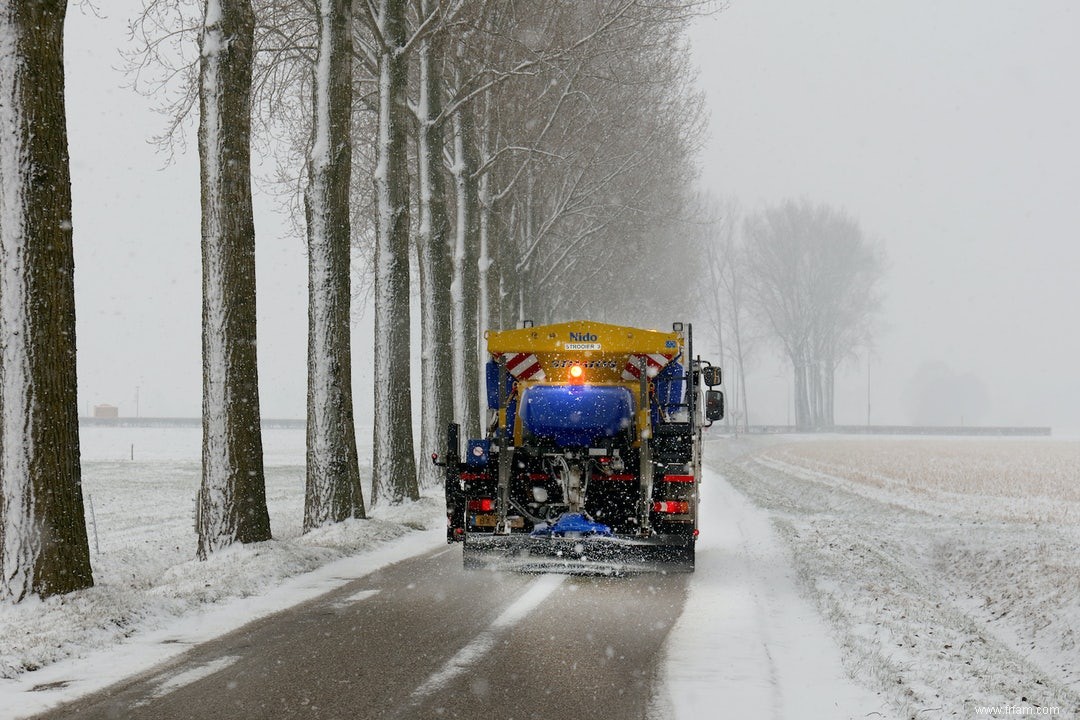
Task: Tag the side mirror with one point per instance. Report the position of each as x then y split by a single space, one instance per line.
711 375
714 405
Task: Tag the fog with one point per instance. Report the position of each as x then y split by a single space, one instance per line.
950 131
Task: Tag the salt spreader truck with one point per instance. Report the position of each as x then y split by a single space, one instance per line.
592 455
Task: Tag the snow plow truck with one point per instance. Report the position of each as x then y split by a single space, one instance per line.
592 455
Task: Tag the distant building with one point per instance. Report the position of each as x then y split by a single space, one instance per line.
106 411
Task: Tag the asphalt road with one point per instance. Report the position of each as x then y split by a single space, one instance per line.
424 639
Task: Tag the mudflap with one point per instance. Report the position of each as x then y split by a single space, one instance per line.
588 555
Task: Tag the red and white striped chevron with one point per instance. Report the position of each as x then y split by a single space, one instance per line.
523 366
634 363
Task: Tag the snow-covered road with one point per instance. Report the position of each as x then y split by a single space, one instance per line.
423 638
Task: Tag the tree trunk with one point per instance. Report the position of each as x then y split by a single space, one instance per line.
433 251
801 392
232 499
466 368
394 464
830 393
333 490
484 261
43 543
740 364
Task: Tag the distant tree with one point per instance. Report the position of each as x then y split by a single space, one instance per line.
333 476
232 498
725 297
43 543
814 282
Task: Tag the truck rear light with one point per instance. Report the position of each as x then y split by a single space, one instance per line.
675 507
481 505
679 478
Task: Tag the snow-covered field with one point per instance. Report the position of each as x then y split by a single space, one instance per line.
947 570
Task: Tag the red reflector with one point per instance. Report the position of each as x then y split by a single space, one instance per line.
671 506
696 532
474 476
679 478
461 531
481 505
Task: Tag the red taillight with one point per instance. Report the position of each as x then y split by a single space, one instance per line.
481 505
675 507
696 532
679 478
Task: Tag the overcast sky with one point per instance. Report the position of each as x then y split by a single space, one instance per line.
949 129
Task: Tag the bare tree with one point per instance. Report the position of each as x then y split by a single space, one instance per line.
814 282
333 477
43 543
394 464
232 498
726 297
465 286
433 253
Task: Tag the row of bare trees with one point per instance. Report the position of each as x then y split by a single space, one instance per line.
506 160
800 275
518 160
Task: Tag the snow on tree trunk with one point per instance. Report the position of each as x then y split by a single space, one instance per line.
465 300
232 499
433 251
43 541
393 464
333 490
483 261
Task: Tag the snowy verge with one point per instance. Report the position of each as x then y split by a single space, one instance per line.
747 643
942 569
58 649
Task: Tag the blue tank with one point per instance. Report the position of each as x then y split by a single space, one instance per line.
576 415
